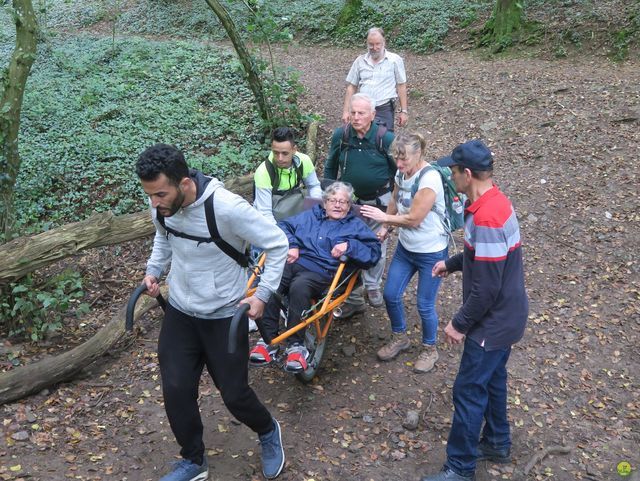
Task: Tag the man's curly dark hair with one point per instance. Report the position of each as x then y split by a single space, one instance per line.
162 159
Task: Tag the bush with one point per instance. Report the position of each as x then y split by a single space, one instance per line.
32 309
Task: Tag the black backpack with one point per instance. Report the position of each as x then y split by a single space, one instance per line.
242 258
344 145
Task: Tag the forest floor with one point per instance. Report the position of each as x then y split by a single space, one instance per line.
566 139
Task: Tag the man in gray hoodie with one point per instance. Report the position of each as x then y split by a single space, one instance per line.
206 285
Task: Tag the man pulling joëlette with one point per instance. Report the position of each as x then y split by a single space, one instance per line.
206 285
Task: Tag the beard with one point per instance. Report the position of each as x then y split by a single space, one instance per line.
175 205
376 55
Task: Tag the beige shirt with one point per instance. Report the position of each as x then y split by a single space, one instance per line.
379 81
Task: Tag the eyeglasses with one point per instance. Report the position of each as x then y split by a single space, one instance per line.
337 201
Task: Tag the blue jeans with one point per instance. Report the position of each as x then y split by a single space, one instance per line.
403 266
479 392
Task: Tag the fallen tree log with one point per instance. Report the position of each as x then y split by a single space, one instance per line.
33 378
27 254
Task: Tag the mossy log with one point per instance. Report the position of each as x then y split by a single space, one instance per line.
33 378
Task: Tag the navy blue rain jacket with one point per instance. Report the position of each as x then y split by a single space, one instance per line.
315 235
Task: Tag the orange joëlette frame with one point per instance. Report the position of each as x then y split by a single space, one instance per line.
327 307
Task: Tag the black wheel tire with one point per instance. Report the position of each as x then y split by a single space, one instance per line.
316 352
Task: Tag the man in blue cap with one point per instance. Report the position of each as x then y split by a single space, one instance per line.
492 317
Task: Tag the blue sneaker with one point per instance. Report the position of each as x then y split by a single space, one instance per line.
186 470
272 452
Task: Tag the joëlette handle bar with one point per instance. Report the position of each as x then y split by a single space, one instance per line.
241 316
131 306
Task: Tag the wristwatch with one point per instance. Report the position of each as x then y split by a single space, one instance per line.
404 111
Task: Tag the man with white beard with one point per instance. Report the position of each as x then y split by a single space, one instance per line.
380 74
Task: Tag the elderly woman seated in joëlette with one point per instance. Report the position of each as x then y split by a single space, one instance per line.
317 239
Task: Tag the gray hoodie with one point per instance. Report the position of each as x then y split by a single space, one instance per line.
203 281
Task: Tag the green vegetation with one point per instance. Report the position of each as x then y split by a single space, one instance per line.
32 309
89 111
419 25
627 36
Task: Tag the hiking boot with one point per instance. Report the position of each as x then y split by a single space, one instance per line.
426 359
448 475
297 356
486 452
262 354
186 470
375 297
272 452
399 342
346 311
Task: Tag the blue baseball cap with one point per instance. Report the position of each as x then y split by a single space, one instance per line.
473 155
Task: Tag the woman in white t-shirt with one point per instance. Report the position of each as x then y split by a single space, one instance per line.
417 207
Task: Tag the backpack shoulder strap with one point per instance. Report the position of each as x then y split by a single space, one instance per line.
273 175
416 183
224 246
344 141
344 147
169 230
299 170
382 129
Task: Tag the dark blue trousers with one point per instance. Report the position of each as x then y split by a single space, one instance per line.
300 285
479 394
385 115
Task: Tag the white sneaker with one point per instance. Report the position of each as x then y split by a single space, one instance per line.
253 327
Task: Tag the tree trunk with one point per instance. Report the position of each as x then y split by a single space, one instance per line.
505 21
246 59
350 11
33 378
13 81
312 136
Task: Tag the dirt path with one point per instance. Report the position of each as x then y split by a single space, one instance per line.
566 137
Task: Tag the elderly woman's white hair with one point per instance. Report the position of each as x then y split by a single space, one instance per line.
336 187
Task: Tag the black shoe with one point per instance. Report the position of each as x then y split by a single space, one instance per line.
448 475
486 452
347 311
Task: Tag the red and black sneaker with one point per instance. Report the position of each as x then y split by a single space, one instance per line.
263 354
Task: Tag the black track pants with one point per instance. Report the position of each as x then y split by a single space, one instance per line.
186 344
